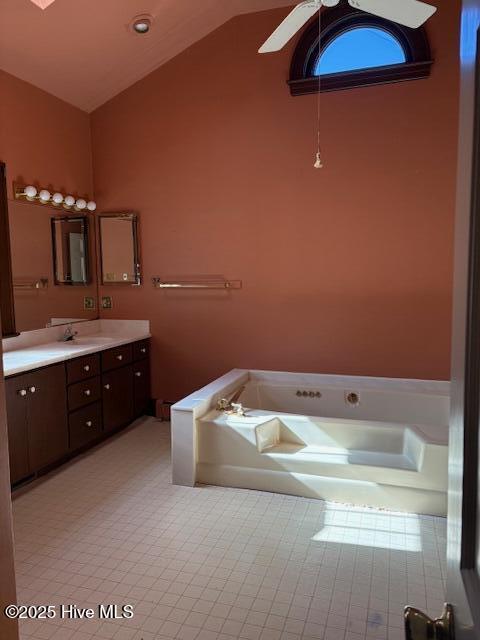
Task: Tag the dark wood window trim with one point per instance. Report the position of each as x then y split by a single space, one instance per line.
338 20
7 307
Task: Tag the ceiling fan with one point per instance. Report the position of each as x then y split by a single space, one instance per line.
410 13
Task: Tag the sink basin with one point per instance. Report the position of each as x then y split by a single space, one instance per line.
93 340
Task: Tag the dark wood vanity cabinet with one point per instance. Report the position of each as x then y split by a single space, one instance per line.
16 398
37 416
125 386
117 396
56 411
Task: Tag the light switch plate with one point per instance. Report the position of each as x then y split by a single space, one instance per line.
89 302
107 302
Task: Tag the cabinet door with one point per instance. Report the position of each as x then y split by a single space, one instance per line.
117 394
47 416
16 397
141 386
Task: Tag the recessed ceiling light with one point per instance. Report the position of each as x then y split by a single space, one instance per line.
141 24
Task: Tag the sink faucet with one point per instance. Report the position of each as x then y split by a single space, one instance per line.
231 406
69 334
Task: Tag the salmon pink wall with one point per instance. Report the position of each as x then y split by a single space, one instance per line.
43 139
345 270
47 142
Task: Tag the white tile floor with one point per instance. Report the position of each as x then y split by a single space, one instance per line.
211 563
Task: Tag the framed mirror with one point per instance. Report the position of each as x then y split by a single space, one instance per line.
119 256
71 263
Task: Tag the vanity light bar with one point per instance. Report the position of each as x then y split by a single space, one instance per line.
56 199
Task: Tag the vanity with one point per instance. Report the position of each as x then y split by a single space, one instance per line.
72 379
64 397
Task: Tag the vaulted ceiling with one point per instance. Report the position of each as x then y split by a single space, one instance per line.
83 51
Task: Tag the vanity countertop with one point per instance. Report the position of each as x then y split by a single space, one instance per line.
35 356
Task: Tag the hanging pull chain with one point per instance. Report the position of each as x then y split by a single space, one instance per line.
318 159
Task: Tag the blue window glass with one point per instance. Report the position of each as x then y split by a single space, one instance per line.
360 48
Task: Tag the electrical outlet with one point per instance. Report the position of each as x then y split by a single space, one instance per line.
107 302
89 302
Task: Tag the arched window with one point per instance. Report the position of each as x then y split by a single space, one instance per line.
357 50
360 48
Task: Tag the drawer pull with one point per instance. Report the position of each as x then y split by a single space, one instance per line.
107 387
88 423
32 389
138 374
87 392
120 357
22 392
86 367
143 350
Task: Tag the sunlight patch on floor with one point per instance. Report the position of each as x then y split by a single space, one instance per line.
371 528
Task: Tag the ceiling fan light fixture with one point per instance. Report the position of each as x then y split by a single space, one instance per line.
141 25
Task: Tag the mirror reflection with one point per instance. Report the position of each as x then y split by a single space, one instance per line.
46 256
70 250
119 249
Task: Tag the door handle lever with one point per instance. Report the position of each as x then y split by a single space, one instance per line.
418 626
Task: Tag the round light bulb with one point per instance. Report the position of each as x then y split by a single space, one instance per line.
69 201
91 205
57 198
81 204
30 192
141 26
44 195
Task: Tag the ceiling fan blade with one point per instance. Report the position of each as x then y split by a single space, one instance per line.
410 13
289 27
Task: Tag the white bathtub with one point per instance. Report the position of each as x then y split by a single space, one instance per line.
374 441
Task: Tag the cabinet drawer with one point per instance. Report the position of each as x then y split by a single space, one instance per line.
82 393
114 358
141 350
82 368
85 425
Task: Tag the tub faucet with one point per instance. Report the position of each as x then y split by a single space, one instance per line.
69 334
230 405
